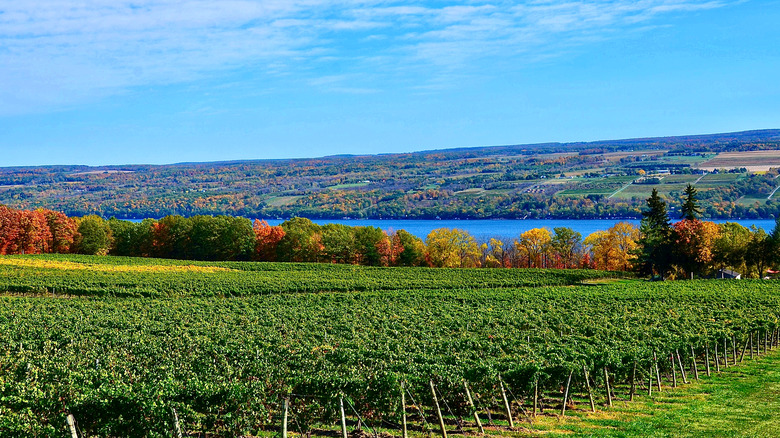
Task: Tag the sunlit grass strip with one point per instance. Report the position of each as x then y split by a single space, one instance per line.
740 401
38 263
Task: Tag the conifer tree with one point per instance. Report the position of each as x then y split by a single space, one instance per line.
690 207
655 249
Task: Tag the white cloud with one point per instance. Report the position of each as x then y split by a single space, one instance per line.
56 53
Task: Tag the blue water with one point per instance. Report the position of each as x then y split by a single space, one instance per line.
503 227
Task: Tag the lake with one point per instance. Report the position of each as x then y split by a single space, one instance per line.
486 228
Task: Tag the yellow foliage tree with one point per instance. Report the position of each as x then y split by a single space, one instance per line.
452 248
534 246
613 250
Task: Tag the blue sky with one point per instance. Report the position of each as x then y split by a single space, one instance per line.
163 81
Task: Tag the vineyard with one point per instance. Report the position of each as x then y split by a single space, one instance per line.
223 352
76 275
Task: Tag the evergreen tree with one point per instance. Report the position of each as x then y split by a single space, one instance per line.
654 256
690 207
774 244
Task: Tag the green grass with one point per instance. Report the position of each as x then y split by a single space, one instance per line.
685 159
711 178
749 200
741 401
679 179
281 201
584 192
348 185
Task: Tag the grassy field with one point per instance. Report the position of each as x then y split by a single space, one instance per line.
741 401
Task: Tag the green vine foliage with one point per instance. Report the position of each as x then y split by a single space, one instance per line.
120 365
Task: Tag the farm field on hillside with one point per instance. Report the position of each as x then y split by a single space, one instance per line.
122 366
754 161
504 182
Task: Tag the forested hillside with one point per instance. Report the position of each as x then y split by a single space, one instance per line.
575 180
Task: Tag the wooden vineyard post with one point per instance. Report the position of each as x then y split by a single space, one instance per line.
693 362
766 341
536 395
750 339
284 417
403 410
682 370
590 391
707 358
633 384
674 371
725 354
473 409
657 372
717 359
72 426
744 349
176 426
506 403
566 394
734 347
650 382
606 383
344 417
438 411
758 344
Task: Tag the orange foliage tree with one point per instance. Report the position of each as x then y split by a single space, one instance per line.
267 238
694 244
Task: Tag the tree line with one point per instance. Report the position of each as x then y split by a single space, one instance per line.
657 248
693 247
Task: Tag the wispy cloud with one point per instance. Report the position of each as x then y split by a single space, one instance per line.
55 53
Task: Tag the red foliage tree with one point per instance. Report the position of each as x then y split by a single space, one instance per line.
63 231
34 234
9 229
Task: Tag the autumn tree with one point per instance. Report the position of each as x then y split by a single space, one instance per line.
34 236
63 229
730 248
535 246
614 249
450 248
9 229
267 238
694 242
494 254
170 237
566 245
389 249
